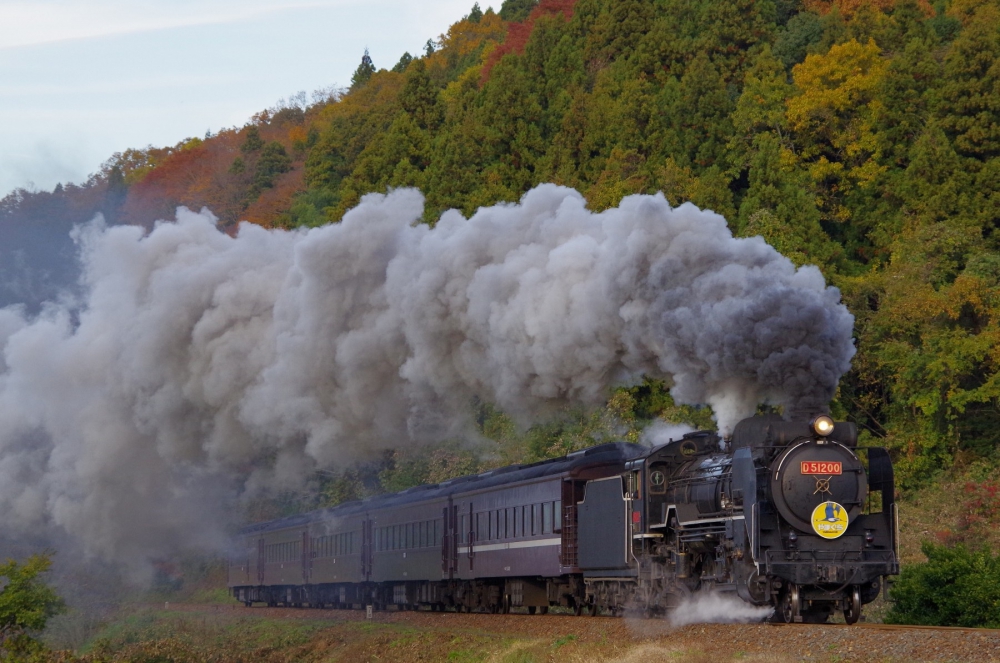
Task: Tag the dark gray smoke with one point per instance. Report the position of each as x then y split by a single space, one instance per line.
203 366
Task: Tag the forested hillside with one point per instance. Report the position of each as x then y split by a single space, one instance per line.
862 136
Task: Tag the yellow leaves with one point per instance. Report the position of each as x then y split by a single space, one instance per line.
847 8
189 144
835 86
967 11
464 38
467 80
622 176
297 134
834 119
380 92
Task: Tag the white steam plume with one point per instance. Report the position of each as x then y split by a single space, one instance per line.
661 432
716 608
203 366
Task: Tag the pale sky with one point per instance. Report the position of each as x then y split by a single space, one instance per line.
82 79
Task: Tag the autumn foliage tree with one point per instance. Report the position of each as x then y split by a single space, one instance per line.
26 604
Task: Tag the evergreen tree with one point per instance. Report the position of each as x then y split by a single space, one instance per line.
777 204
252 142
363 73
516 10
404 62
970 99
802 32
273 161
418 97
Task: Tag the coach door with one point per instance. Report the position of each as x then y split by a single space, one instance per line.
449 540
572 493
470 533
367 549
306 558
261 559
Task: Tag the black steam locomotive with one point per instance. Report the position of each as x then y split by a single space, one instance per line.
784 513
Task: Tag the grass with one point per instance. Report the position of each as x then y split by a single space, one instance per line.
201 633
219 595
933 510
564 640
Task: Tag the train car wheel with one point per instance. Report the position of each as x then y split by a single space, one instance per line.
578 608
593 609
543 610
790 604
852 608
532 609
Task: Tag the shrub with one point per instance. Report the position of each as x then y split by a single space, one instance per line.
26 604
956 586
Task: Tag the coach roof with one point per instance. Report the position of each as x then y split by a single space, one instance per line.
612 453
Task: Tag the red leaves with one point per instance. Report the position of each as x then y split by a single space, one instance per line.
979 511
201 174
519 33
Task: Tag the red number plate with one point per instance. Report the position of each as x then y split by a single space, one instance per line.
822 467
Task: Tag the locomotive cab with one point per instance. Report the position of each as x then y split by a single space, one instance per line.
661 470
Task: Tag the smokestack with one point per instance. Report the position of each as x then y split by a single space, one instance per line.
204 367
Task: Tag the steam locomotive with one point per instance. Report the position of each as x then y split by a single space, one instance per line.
790 514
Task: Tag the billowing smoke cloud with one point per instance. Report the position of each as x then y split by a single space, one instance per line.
204 366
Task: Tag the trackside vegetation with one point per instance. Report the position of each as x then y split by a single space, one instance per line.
956 586
26 605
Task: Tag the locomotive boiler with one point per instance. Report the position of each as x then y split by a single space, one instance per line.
784 513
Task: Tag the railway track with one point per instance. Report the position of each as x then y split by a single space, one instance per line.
566 639
898 627
562 618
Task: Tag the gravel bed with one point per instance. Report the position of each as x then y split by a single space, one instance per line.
616 639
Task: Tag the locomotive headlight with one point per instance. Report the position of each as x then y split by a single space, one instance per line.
822 425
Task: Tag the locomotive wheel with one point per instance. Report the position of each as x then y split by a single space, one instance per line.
790 604
852 607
